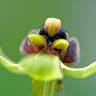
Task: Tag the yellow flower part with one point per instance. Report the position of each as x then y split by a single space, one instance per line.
60 44
53 25
36 39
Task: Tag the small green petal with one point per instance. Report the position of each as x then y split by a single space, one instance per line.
36 39
42 67
60 44
10 66
80 72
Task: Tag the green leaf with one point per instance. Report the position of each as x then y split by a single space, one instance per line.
42 67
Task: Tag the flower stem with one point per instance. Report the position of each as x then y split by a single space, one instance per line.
42 88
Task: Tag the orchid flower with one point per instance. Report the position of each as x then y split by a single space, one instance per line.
48 54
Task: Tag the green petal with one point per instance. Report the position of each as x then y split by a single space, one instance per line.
10 66
80 72
42 67
36 39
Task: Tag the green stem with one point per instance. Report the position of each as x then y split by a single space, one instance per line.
42 88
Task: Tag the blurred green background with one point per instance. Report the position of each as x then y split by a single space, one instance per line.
18 17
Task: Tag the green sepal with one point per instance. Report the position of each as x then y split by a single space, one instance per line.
42 67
